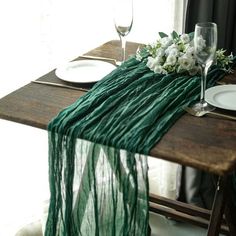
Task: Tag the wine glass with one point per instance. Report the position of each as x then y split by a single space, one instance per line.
123 20
205 43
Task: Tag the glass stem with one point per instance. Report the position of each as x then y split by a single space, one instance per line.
203 84
204 69
123 45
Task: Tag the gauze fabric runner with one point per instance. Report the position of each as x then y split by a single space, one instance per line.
98 185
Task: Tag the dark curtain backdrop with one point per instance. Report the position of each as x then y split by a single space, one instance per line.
222 12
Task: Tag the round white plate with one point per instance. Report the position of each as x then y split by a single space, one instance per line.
84 71
222 96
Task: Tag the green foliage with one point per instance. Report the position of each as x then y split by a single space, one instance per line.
175 53
174 35
163 35
191 36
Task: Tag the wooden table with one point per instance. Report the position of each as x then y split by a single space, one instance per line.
205 143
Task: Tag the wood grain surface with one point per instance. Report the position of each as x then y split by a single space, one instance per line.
205 143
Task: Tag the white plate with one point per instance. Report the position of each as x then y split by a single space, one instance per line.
84 71
222 96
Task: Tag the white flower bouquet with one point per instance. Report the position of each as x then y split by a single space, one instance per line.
175 54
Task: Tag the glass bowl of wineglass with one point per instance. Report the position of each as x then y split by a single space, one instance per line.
123 21
205 43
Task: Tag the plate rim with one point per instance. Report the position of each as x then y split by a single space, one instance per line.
213 90
63 67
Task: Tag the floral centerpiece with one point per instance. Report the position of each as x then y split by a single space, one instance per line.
175 54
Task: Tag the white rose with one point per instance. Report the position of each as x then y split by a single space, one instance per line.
150 63
172 50
185 38
186 62
166 42
171 60
154 64
158 60
159 70
191 43
160 52
200 43
190 51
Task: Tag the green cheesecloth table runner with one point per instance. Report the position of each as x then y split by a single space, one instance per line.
98 149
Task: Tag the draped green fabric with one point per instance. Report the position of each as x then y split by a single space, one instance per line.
98 149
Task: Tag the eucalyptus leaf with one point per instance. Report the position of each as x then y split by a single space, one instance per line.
174 35
163 35
191 36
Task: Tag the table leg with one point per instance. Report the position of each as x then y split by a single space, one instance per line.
230 212
218 206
